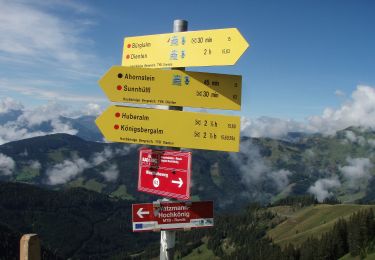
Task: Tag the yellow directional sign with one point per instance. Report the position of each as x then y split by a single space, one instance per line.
184 49
170 128
172 87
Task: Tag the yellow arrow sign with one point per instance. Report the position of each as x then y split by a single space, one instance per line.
172 87
170 128
184 49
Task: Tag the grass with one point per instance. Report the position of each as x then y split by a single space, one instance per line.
89 185
201 252
350 198
76 183
94 185
122 193
309 221
349 257
56 156
27 174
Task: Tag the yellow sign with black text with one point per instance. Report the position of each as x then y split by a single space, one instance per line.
170 128
184 49
172 88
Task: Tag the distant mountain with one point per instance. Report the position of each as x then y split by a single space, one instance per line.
87 164
23 124
295 136
85 126
265 170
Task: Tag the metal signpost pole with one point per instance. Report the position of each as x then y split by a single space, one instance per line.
168 238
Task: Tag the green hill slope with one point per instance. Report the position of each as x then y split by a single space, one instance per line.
349 257
313 231
309 221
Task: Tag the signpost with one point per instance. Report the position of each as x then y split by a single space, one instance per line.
184 49
172 215
165 173
138 81
172 88
170 128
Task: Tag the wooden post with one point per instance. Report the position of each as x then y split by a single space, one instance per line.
30 247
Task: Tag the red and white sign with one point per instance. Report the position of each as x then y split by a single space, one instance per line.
172 215
165 173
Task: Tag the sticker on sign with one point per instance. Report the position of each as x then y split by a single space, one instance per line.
165 173
167 215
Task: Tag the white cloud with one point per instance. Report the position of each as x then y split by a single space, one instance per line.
46 51
339 93
7 165
270 127
108 153
66 171
8 104
101 157
111 173
41 114
358 110
350 136
322 188
69 169
92 109
26 125
357 169
353 138
11 132
255 171
280 178
30 32
35 165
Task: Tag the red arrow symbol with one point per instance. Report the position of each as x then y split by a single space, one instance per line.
179 182
140 213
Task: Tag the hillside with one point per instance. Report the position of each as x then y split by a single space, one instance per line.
327 232
265 170
73 223
311 221
9 246
59 161
77 223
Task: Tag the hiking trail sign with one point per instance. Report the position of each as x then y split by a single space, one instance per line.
165 173
184 49
172 88
170 128
165 215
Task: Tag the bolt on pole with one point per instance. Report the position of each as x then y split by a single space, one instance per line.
168 238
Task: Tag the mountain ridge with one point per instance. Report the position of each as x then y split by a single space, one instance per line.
264 170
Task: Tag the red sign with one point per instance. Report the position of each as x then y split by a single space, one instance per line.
167 215
165 173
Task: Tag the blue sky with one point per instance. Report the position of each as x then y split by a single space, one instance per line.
305 56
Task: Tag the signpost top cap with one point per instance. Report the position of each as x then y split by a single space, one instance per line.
180 25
